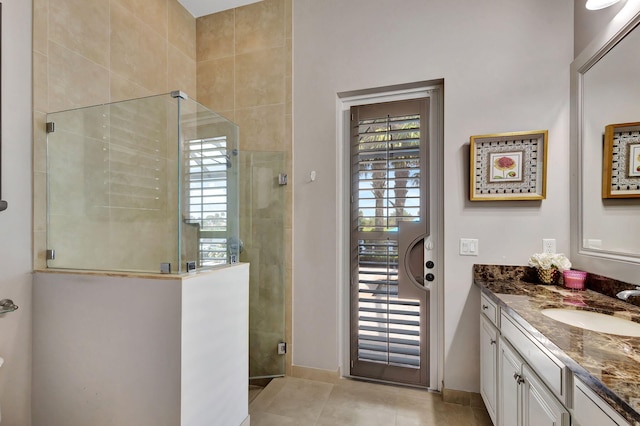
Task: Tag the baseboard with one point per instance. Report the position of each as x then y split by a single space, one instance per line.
472 399
316 374
246 422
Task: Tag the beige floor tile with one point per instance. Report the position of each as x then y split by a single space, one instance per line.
262 401
347 412
268 419
481 416
299 399
287 401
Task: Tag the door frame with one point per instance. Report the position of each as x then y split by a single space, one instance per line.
344 101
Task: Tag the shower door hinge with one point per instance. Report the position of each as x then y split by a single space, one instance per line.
282 348
51 127
50 254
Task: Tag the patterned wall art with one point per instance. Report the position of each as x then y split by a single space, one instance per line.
509 166
621 167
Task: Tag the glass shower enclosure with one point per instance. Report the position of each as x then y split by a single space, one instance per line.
157 184
146 185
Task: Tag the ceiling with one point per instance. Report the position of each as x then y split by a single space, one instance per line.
200 8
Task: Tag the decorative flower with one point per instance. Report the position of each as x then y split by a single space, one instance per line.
549 260
504 163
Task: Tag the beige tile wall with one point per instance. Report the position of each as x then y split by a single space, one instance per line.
88 52
244 73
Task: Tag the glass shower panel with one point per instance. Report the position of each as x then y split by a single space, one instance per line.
112 186
263 230
120 182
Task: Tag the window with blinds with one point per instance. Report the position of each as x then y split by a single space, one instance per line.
207 164
386 189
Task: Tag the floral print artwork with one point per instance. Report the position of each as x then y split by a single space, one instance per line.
505 167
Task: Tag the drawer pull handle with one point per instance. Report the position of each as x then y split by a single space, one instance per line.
485 307
518 378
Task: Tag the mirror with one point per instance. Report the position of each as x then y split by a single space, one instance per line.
3 204
605 92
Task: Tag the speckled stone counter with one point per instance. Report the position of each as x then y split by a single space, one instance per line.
608 364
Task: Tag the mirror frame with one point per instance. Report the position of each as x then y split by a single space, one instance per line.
3 204
623 267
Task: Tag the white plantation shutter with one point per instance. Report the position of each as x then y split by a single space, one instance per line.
386 189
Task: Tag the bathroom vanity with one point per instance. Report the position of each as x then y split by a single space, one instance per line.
537 370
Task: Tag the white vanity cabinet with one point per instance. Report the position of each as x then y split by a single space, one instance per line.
489 366
524 399
511 364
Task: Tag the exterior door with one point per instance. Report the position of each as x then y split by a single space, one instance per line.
390 242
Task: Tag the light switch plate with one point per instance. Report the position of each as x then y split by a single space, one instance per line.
469 247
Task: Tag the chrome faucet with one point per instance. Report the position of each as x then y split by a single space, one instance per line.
625 294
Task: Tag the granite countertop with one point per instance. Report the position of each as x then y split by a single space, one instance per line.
607 363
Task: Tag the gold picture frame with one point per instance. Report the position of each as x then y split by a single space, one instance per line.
508 166
621 161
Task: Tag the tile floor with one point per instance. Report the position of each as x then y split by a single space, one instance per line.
299 402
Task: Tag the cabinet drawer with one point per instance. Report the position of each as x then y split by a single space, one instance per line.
489 309
589 409
548 368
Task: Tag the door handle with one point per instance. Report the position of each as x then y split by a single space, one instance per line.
412 280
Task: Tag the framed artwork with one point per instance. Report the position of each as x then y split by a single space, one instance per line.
621 161
508 166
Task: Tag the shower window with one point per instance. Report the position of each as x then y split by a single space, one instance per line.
208 165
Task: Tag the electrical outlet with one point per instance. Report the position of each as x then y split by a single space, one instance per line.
282 348
548 245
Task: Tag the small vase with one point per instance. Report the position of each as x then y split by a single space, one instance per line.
548 276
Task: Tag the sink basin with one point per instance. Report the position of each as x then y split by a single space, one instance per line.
594 321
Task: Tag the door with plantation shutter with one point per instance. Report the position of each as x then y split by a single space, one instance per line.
389 158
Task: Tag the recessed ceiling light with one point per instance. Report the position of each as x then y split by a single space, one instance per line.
600 4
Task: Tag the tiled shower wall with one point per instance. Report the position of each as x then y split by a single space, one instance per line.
244 73
88 52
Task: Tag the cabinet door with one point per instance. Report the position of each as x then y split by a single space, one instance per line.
591 410
509 371
489 366
539 406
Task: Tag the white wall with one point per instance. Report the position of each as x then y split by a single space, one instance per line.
506 68
15 222
588 23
